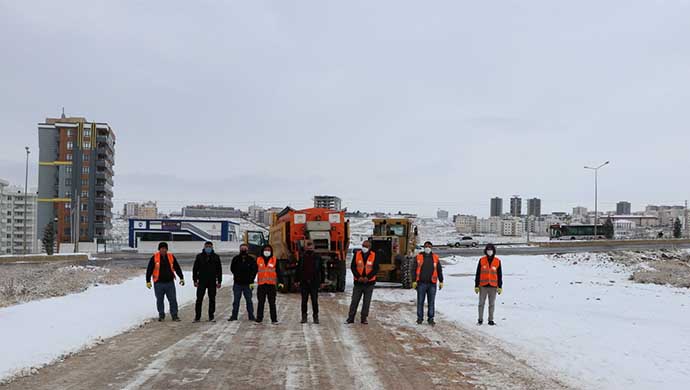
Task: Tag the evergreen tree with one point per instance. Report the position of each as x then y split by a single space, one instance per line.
608 228
677 228
49 239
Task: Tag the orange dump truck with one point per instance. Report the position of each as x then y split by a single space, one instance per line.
327 229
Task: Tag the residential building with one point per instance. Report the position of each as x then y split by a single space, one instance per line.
465 223
496 207
638 220
623 208
131 209
17 228
256 213
75 178
491 225
512 227
148 210
534 207
515 206
269 214
328 202
442 214
202 211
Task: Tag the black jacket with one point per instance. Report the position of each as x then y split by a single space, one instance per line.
165 275
244 269
356 275
317 274
499 271
207 268
428 269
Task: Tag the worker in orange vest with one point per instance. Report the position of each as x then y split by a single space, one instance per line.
488 281
428 274
162 268
364 268
267 278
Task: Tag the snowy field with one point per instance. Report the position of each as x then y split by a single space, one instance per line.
40 332
586 323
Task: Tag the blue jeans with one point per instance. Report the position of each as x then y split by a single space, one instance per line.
238 290
426 290
162 290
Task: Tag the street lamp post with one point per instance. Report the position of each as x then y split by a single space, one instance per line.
596 194
26 194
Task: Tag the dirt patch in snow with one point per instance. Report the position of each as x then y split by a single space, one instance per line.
664 267
27 282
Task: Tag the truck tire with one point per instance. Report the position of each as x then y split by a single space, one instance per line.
342 274
407 273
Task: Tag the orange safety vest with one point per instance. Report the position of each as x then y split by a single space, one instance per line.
267 272
157 265
488 274
365 268
420 261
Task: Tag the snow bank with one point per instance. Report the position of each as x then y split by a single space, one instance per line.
39 332
587 323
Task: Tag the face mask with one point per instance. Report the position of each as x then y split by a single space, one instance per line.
427 250
267 253
365 249
489 253
208 250
243 250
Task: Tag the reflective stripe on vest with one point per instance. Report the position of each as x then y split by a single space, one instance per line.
157 265
365 268
488 273
267 272
420 261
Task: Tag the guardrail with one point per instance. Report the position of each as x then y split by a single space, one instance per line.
616 243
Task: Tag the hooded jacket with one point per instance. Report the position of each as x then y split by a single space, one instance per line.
499 272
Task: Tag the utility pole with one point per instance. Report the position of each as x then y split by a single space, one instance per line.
687 226
26 194
596 194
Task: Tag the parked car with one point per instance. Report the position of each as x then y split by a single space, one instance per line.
466 241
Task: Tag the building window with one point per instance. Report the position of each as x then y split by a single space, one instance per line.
70 145
87 145
84 194
68 182
68 170
85 182
68 205
84 169
84 207
69 156
69 133
86 156
87 132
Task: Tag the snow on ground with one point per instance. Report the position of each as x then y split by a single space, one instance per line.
39 332
585 321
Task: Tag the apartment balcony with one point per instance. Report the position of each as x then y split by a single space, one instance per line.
104 201
103 213
108 177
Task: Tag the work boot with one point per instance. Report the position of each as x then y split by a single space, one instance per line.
304 319
176 318
211 319
419 322
349 321
480 321
492 323
432 322
196 320
235 319
316 320
161 318
364 321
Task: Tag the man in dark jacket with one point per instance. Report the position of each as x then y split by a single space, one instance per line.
244 269
364 268
207 274
162 267
428 272
310 275
488 281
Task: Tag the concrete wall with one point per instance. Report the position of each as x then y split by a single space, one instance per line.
187 246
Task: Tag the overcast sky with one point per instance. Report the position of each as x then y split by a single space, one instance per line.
392 105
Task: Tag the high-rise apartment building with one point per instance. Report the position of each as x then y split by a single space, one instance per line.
496 207
17 220
534 207
516 206
623 208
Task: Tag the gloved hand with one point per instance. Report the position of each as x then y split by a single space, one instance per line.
181 282
476 290
440 286
196 283
251 286
280 286
218 285
414 285
148 285
500 290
